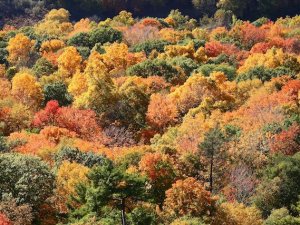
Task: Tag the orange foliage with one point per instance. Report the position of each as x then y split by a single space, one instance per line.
161 111
188 197
55 134
150 22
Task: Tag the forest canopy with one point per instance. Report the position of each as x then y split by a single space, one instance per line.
149 120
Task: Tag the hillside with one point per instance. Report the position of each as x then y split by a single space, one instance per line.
150 121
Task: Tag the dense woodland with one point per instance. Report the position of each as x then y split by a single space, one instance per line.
150 121
22 12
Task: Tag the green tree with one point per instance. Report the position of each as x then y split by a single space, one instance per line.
109 186
103 35
42 67
25 178
211 147
280 184
57 91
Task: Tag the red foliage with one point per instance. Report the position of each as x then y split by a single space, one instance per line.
4 220
250 34
261 47
286 142
46 116
215 48
82 122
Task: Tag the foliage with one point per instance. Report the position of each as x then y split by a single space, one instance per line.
25 178
156 67
104 34
188 197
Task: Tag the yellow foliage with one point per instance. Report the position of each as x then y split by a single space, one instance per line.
5 87
60 15
69 62
19 48
83 25
201 34
68 176
26 89
2 71
271 59
117 58
237 214
188 197
125 18
100 88
169 34
56 23
78 84
52 45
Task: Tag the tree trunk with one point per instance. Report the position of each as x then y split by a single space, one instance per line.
211 173
123 211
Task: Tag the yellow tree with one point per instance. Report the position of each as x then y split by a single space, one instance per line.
68 176
26 89
69 62
56 23
19 48
100 90
117 58
237 214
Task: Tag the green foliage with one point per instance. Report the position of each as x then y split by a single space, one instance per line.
43 67
282 217
155 67
197 43
70 154
57 91
3 145
25 178
109 185
207 69
11 72
81 39
279 187
260 21
84 52
103 35
143 216
187 64
189 221
150 45
265 74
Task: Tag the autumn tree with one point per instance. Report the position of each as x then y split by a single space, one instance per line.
19 49
236 213
188 197
4 220
160 172
68 176
19 214
26 89
161 111
100 90
69 62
